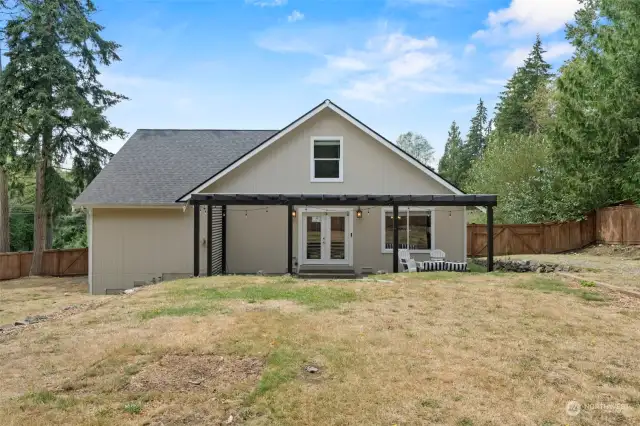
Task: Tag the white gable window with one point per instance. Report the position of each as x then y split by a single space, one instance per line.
415 230
327 159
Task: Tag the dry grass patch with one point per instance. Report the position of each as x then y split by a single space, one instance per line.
40 295
195 373
615 265
456 349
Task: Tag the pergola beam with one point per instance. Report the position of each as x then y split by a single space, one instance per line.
346 200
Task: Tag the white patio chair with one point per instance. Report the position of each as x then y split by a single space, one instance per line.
436 261
409 264
437 255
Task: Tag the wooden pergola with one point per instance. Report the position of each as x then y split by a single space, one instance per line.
292 200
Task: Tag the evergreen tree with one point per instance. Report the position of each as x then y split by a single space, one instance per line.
51 87
416 145
450 163
596 141
6 152
476 139
511 111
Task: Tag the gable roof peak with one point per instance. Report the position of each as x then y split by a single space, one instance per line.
302 119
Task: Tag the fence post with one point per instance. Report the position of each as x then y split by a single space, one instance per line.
620 210
490 239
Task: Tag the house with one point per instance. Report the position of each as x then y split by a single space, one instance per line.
319 193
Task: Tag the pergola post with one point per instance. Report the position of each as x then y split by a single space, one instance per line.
290 238
209 240
196 239
223 267
489 239
395 238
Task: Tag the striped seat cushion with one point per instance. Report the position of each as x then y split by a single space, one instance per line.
434 265
456 266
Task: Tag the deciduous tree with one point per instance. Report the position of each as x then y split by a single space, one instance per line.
416 145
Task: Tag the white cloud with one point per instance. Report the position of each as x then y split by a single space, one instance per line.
295 16
424 2
398 42
559 50
526 17
346 63
371 89
413 64
384 65
470 49
314 39
267 3
516 57
448 85
389 64
554 51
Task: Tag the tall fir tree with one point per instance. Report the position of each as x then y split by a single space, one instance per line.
511 111
450 165
51 87
476 139
596 130
6 152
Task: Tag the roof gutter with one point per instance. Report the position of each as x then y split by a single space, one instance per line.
130 206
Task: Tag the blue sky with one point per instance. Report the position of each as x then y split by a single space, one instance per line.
398 65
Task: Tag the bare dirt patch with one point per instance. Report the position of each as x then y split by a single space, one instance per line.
40 295
272 305
625 252
197 373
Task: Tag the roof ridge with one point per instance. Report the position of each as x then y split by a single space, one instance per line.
217 130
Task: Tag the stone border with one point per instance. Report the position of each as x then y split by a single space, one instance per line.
62 313
521 266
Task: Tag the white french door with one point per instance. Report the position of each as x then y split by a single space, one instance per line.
326 238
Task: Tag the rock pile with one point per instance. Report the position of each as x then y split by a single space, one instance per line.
514 265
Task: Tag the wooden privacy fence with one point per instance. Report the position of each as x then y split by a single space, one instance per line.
610 225
619 225
54 262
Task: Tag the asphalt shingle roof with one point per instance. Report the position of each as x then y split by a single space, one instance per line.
159 166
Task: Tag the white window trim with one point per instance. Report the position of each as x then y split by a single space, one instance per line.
312 167
407 211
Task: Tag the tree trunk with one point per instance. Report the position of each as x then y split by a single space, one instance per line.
5 231
40 220
49 243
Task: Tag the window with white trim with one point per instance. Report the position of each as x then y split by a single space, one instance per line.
415 229
326 159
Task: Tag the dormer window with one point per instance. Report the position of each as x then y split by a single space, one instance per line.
326 159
